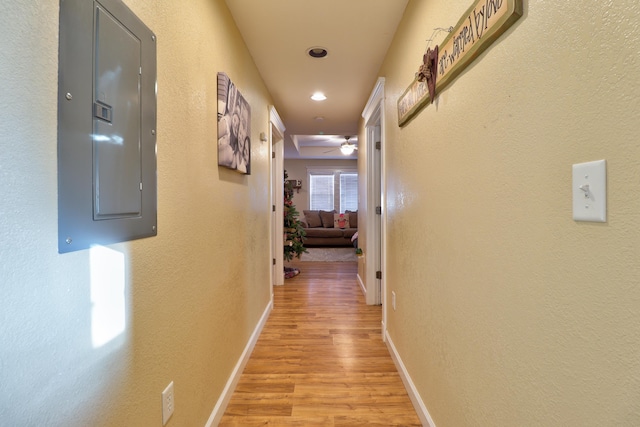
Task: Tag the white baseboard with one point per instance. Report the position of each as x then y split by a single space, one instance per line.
418 404
362 286
225 397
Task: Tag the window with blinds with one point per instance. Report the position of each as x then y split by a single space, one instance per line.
348 192
329 190
321 192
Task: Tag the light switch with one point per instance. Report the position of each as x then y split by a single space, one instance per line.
590 191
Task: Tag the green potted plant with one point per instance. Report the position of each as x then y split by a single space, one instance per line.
294 232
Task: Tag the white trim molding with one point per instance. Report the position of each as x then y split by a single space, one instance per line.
362 286
418 404
375 225
227 392
275 119
276 137
376 97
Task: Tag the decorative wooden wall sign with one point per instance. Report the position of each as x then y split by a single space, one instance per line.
478 28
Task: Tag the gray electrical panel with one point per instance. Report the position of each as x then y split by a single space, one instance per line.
107 183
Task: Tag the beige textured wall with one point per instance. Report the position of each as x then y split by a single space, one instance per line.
192 295
509 313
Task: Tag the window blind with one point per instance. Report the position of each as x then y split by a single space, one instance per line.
331 189
321 192
348 192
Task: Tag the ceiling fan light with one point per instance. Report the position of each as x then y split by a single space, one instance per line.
347 148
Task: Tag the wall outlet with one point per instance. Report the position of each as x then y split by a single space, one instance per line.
393 300
168 403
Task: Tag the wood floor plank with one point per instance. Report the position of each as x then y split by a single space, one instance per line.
320 360
291 421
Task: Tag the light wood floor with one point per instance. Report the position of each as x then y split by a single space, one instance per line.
320 360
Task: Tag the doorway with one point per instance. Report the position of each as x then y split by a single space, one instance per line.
276 136
375 262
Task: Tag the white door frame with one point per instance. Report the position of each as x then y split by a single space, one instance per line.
276 138
373 115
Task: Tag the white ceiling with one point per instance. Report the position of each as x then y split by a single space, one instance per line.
356 34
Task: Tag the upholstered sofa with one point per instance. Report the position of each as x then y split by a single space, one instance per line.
328 228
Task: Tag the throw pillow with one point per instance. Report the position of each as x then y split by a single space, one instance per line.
312 218
327 218
353 218
341 220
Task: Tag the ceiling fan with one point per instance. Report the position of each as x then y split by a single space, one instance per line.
346 147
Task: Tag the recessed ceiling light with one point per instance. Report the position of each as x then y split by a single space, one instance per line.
318 96
317 52
318 118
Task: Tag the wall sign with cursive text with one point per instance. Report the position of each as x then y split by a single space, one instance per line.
478 28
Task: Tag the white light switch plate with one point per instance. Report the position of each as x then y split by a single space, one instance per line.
590 191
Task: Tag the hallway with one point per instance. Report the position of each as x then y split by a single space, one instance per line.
320 360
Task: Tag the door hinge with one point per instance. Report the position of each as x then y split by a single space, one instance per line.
273 154
378 210
273 208
378 145
274 261
378 274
